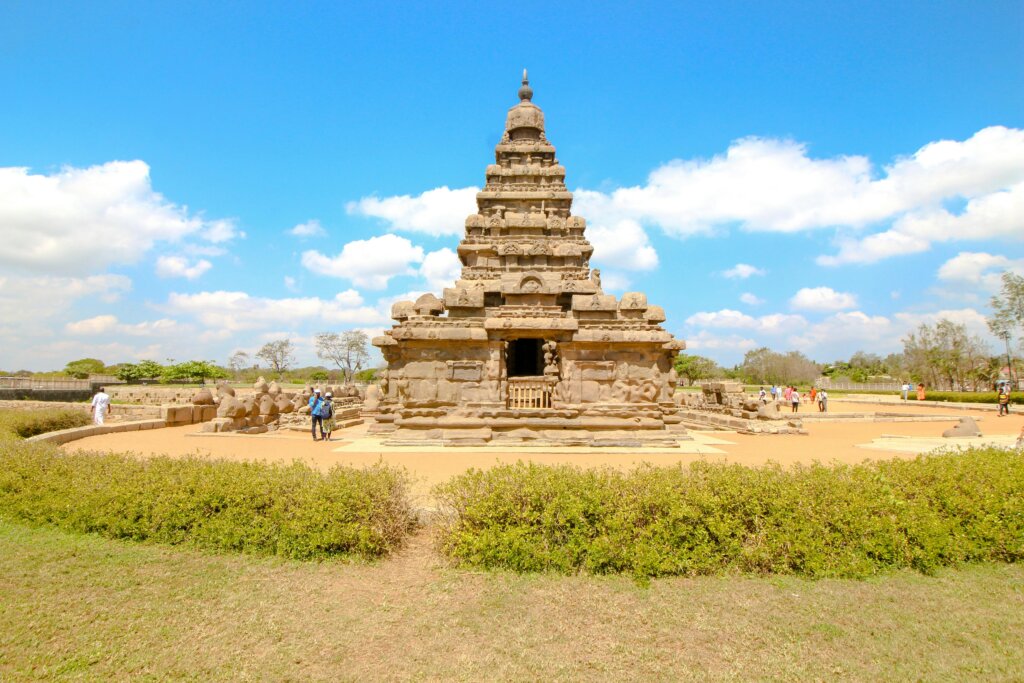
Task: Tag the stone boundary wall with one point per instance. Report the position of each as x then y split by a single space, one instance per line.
75 433
50 395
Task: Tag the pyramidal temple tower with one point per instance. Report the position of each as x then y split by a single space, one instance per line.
526 347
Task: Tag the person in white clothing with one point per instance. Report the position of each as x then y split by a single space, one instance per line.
100 406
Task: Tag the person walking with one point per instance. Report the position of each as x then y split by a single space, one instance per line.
100 406
316 404
814 394
1004 399
763 396
795 398
327 415
822 401
906 391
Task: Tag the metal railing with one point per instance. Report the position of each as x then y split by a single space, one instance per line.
528 393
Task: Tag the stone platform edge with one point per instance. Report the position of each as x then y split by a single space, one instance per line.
63 436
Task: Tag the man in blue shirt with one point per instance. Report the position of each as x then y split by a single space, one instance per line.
315 404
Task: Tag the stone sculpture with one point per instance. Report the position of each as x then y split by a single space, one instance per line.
526 345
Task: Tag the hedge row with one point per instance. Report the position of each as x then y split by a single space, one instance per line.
820 521
291 511
26 423
970 397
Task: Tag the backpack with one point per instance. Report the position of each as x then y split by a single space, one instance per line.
327 410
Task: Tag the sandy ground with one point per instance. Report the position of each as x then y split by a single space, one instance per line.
825 442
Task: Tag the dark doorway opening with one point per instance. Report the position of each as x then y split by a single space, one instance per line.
525 358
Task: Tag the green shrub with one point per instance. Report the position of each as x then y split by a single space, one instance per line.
820 521
291 511
26 423
971 396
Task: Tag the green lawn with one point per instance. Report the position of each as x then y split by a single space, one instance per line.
80 607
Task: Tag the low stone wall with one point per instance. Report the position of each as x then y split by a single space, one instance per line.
75 433
118 412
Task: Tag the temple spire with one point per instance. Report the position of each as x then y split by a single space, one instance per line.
525 92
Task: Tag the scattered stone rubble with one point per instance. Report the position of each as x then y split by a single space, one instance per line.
724 405
268 408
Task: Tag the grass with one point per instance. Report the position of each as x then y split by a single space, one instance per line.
84 608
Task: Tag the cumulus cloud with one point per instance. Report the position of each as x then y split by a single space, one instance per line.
751 299
979 269
741 271
82 220
310 228
613 281
709 341
776 186
179 266
437 212
228 312
109 324
728 318
44 296
369 263
622 245
822 299
441 269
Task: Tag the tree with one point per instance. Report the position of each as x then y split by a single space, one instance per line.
239 361
279 355
944 355
83 367
695 368
1008 313
192 371
134 372
346 350
764 366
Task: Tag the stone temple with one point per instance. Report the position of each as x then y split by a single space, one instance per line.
526 347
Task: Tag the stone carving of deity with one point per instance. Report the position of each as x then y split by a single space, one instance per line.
595 277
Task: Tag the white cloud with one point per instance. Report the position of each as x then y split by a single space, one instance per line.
290 284
822 299
741 271
82 220
310 228
44 296
437 212
623 245
235 311
705 341
613 281
775 186
178 266
979 269
109 324
751 299
723 318
369 263
996 215
441 269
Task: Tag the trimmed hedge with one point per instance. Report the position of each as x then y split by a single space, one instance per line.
819 521
291 511
26 423
990 397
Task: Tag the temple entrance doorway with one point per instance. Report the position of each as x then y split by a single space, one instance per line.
525 358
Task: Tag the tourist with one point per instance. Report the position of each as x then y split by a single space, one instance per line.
100 406
906 391
774 391
920 391
1004 399
822 401
327 415
814 394
794 396
316 403
763 396
787 394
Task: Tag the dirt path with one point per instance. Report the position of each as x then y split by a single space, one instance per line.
825 442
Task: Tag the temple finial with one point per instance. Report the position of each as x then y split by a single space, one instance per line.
525 92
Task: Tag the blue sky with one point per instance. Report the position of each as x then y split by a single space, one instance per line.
802 176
